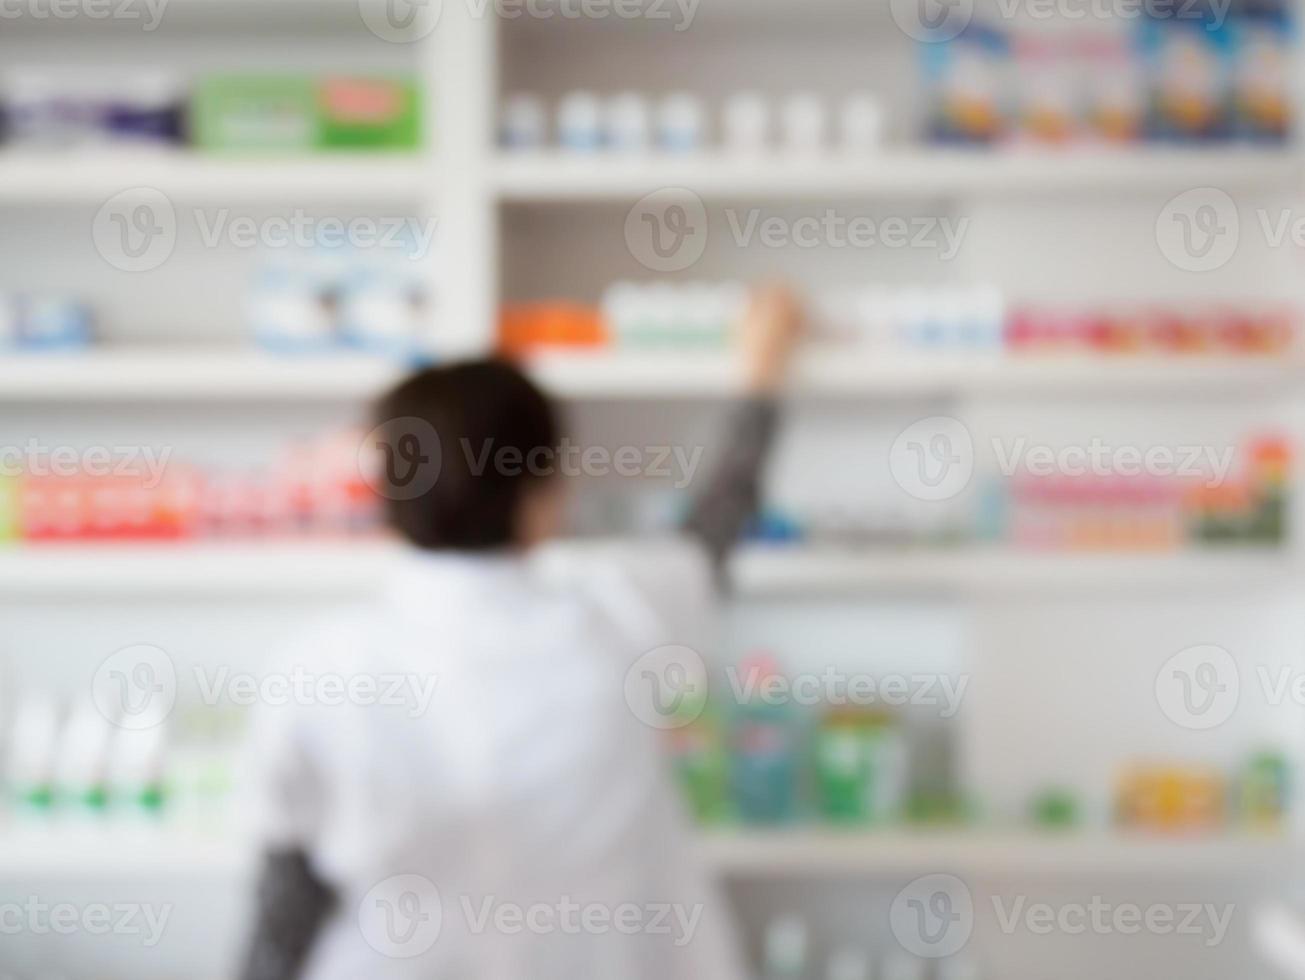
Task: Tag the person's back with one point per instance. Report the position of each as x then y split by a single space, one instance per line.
484 801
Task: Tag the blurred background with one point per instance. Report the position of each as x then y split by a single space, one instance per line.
1026 589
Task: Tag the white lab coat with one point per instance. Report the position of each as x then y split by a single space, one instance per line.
527 791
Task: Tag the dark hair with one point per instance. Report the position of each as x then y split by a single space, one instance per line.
464 420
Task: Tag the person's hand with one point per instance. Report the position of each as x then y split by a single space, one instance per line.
770 331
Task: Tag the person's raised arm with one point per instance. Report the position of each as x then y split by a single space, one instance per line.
731 496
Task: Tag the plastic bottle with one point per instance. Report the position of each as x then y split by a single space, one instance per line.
681 123
763 773
523 124
746 122
628 123
580 122
804 122
786 949
81 768
861 123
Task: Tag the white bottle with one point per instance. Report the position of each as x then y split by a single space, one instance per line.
628 123
746 123
861 123
786 948
804 121
681 123
523 124
580 122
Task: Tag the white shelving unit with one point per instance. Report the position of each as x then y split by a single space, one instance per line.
496 208
562 177
29 178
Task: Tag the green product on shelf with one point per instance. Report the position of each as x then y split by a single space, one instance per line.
1055 808
8 508
698 748
300 114
1264 790
860 767
368 114
267 113
842 767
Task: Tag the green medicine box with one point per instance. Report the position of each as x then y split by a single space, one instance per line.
293 114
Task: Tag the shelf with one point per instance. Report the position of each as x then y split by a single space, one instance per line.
88 177
195 374
224 374
144 853
768 571
794 853
325 569
558 176
120 854
834 373
187 570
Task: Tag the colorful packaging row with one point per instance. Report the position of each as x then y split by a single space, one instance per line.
629 122
316 489
758 762
1267 330
1087 512
1191 77
43 322
1178 798
962 320
48 109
